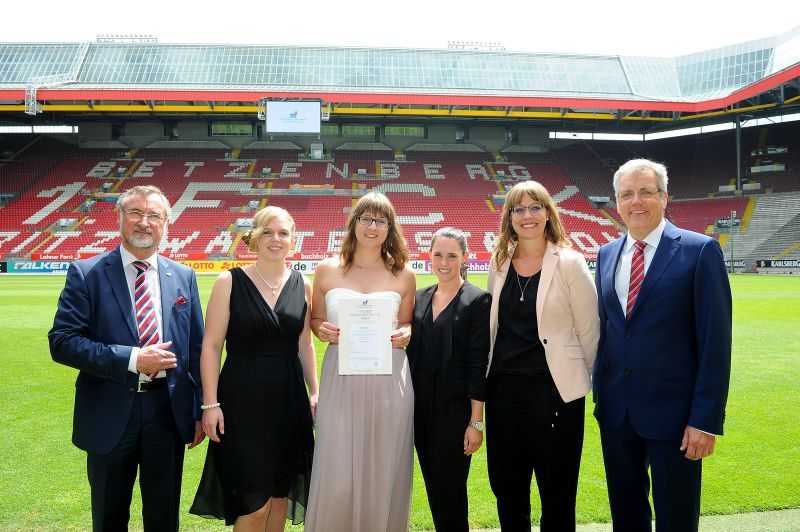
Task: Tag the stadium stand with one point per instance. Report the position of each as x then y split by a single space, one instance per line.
769 214
701 215
783 244
66 212
445 147
60 206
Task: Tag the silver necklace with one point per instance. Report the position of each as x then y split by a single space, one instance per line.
521 288
273 288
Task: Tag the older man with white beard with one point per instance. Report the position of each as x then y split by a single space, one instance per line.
130 321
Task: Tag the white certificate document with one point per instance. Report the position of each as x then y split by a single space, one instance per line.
365 347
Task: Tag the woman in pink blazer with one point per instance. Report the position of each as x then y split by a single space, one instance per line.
544 330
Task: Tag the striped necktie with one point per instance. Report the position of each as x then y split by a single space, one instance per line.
637 276
146 320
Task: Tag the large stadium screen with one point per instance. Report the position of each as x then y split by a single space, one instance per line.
293 117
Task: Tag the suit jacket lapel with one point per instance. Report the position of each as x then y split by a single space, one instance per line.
499 281
449 326
669 244
119 285
447 330
609 294
422 303
549 264
169 292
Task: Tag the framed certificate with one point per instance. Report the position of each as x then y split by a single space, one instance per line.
365 347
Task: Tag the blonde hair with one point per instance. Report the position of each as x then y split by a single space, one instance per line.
260 221
553 230
394 251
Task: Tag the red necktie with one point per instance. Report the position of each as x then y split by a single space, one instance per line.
637 276
145 310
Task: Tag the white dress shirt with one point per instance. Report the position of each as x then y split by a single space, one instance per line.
151 276
622 278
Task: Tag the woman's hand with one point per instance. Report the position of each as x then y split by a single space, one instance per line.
473 438
328 332
312 402
401 337
213 420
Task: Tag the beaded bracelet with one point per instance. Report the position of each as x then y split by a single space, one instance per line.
209 407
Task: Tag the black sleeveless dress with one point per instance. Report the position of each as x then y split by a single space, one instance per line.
268 445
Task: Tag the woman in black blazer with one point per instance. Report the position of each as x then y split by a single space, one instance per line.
448 355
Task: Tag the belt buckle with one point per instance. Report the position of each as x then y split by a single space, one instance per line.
139 386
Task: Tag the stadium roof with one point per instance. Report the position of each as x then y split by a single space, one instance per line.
109 71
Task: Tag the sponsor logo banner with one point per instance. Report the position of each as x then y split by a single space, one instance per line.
38 266
218 266
787 263
57 257
420 266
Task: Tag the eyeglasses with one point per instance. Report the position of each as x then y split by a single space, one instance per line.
644 194
520 210
137 215
366 221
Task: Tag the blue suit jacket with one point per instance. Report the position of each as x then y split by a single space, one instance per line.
94 331
668 366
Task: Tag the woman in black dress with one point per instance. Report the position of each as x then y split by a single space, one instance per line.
259 458
448 355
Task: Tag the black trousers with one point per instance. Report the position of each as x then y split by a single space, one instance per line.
439 426
675 480
152 445
530 430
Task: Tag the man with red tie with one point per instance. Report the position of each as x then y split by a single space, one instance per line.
131 322
663 361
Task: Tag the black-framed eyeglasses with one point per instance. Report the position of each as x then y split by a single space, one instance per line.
520 210
366 221
136 215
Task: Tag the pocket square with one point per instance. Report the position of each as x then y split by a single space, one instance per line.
180 300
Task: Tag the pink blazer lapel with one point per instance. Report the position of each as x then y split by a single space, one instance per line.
549 264
497 279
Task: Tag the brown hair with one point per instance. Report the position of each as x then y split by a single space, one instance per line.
461 239
393 250
260 221
553 230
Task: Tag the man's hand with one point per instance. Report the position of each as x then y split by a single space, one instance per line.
154 358
697 444
199 435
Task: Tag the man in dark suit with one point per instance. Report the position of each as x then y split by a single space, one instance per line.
131 322
663 362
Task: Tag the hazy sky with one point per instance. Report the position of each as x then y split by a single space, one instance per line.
625 27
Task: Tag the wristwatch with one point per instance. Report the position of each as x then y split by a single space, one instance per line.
477 425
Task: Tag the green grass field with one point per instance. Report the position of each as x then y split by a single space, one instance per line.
756 467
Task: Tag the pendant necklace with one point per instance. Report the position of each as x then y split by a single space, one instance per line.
521 288
273 288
